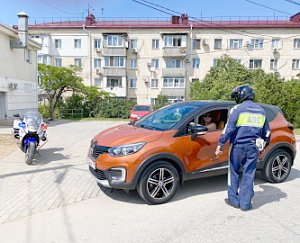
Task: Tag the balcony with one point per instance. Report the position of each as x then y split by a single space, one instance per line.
114 71
173 72
173 91
117 52
174 51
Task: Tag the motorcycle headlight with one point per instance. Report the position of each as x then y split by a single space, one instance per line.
126 149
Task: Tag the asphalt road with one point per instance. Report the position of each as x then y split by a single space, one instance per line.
57 200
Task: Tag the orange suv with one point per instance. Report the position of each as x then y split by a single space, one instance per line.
167 147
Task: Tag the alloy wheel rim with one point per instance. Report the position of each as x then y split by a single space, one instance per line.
160 183
280 166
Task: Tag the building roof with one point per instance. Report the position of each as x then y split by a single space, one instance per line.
177 22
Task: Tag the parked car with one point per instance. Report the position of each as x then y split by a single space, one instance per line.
139 111
167 147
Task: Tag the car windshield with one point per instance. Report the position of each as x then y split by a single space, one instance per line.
141 108
165 118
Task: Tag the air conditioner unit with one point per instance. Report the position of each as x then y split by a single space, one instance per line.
98 72
12 86
126 44
188 60
134 50
183 50
152 69
149 64
98 50
205 42
275 50
247 44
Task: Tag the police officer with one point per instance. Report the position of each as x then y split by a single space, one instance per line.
249 132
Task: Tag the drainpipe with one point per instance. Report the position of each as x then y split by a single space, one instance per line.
188 61
90 53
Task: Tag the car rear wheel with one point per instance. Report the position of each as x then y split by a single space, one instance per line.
158 183
277 167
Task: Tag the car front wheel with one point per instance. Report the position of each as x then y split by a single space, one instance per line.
158 183
277 167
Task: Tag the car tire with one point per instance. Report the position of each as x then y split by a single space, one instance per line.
158 183
278 166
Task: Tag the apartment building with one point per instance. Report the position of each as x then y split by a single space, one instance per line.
18 70
139 60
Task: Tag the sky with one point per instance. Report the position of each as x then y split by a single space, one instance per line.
44 10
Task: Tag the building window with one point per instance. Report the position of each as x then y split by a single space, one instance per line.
154 83
255 63
257 43
115 40
132 83
296 64
133 63
153 101
297 43
133 44
98 82
58 62
114 61
175 40
171 82
155 44
97 62
97 43
196 44
218 44
77 62
195 80
175 99
215 61
114 82
77 43
276 43
235 43
173 63
196 63
155 63
273 64
57 43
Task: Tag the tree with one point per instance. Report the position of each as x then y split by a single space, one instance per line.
161 101
220 80
57 80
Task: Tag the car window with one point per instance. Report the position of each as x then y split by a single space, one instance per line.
165 119
141 108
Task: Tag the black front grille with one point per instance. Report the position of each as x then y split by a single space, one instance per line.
99 174
99 150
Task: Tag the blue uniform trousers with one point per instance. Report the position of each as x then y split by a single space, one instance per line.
242 156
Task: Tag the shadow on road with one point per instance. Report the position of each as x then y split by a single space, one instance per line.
49 155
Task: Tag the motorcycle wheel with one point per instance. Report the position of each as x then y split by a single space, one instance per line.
30 152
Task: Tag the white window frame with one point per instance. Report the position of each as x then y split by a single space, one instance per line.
58 62
97 43
253 63
97 62
174 40
57 43
133 44
78 62
111 82
173 82
77 43
196 63
219 42
235 44
115 41
196 44
133 83
274 64
154 83
257 43
155 63
297 43
133 63
155 43
98 82
173 63
114 61
175 99
296 64
276 43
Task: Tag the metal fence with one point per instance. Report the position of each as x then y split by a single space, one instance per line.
71 113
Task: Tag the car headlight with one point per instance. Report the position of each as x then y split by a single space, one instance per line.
134 116
126 149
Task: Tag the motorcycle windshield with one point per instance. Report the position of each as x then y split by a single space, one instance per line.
29 115
32 124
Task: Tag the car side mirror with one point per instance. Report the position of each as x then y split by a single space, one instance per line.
198 130
16 115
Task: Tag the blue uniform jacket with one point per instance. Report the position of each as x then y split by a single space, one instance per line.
247 122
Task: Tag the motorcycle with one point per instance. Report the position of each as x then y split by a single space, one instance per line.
32 132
